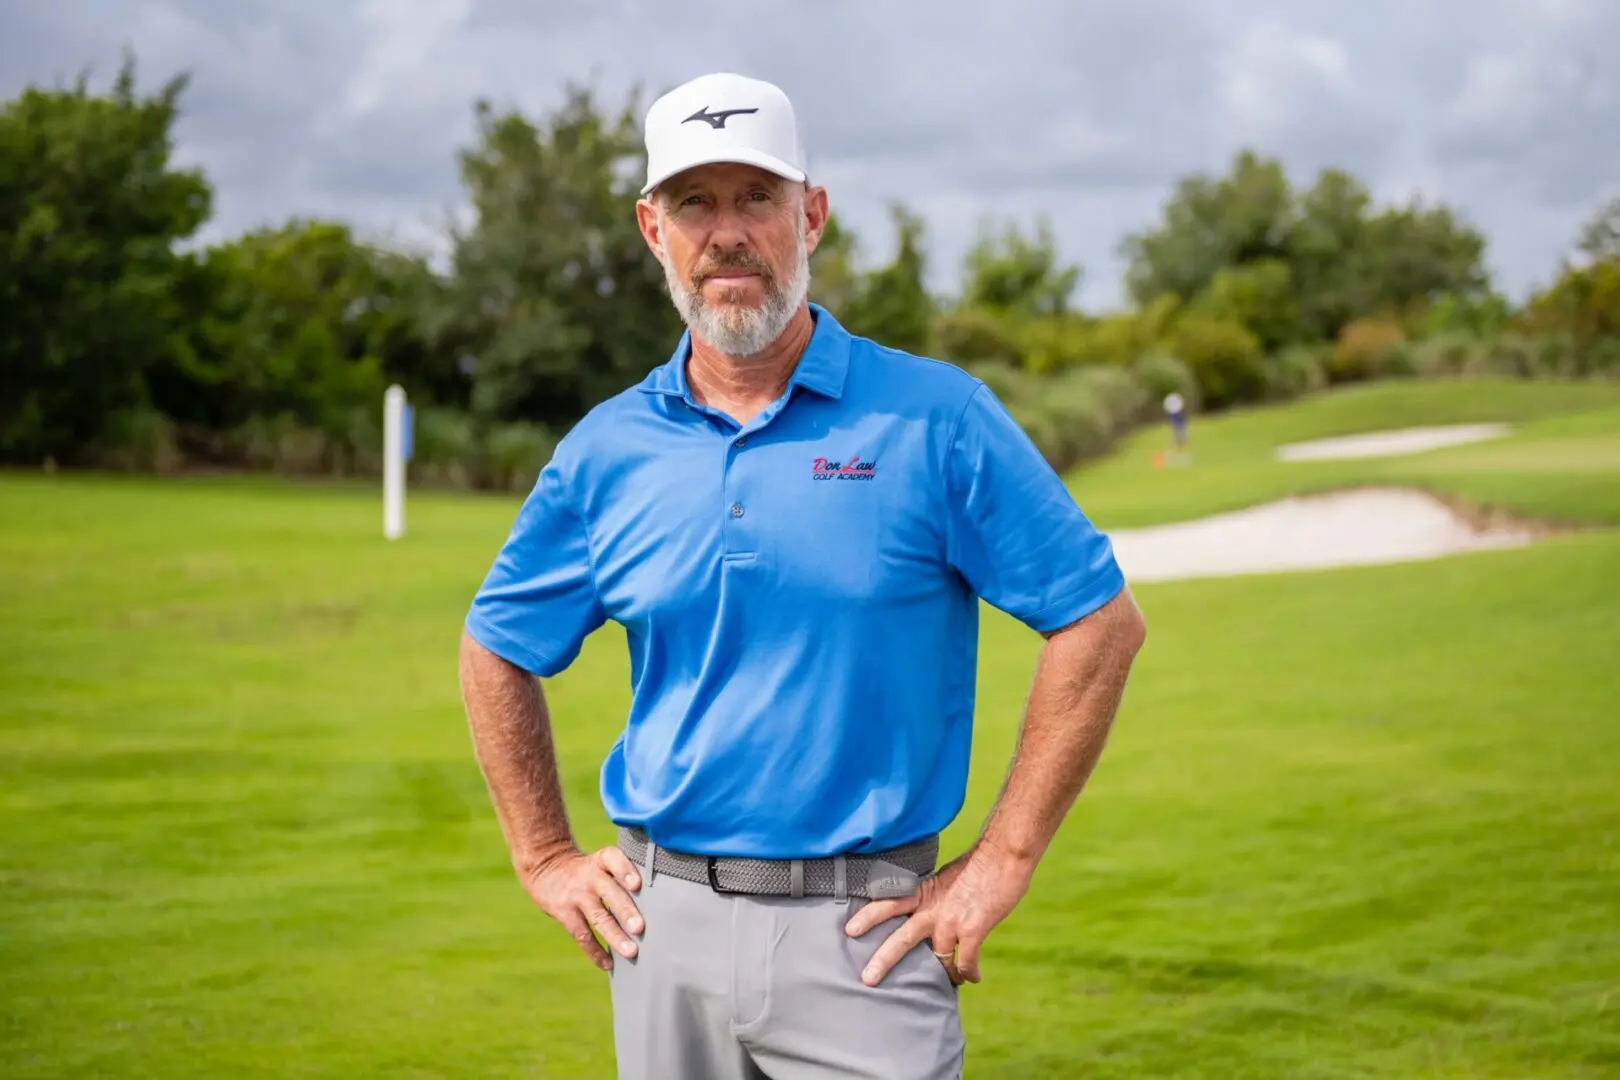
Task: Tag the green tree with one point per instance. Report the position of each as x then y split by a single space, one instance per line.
1259 296
553 293
1579 312
92 291
1232 241
1600 236
1582 304
1010 274
1325 239
306 323
1414 254
1224 357
835 280
1481 316
1209 223
891 304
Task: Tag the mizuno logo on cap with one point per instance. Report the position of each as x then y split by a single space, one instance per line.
716 120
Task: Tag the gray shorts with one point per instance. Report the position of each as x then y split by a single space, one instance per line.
740 987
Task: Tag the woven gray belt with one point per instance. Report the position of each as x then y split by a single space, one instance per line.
879 876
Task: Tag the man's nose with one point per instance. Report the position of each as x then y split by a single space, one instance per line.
728 231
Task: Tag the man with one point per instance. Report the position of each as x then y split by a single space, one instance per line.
1176 409
794 526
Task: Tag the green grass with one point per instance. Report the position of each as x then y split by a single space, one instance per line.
1352 824
1560 463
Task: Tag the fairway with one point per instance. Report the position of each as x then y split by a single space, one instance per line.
1357 823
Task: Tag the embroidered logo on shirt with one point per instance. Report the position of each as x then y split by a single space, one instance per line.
854 469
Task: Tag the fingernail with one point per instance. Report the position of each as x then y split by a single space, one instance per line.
868 975
635 926
632 881
628 948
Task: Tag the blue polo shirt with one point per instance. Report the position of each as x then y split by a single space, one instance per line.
799 595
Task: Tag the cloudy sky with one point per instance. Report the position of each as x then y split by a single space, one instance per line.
1085 110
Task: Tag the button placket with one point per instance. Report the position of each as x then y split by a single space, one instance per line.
736 527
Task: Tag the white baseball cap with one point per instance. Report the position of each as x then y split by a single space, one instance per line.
722 118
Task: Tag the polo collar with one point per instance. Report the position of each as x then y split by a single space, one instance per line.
823 366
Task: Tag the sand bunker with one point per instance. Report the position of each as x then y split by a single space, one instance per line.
1350 528
1391 443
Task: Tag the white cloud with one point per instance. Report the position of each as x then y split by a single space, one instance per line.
1299 94
1084 110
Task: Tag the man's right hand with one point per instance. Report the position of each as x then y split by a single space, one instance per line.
590 896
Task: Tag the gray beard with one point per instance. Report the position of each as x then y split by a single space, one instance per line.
737 330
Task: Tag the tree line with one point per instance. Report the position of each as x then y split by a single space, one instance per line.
126 345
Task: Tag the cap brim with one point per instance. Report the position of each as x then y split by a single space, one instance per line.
740 156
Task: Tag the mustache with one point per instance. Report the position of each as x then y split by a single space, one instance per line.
732 260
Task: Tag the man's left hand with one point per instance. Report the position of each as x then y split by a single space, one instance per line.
954 911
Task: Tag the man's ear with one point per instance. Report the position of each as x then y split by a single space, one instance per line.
647 221
816 211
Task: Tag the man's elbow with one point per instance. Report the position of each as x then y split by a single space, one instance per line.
1129 632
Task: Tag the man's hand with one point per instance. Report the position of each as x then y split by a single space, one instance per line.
956 908
589 893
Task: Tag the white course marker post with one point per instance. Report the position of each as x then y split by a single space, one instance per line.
396 452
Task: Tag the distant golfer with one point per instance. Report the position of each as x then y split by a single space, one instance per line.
794 527
1176 410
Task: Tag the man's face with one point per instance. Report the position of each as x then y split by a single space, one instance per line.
735 243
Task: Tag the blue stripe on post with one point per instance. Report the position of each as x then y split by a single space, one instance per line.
407 432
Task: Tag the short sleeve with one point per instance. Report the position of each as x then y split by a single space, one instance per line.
538 602
1016 534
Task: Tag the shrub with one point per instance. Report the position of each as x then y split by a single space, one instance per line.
1068 424
1294 371
1079 413
1043 426
1363 348
1559 357
1224 357
355 439
1445 355
1602 358
1052 343
277 443
516 453
1124 397
1121 337
445 448
1509 355
1005 381
138 440
1399 361
1162 375
973 336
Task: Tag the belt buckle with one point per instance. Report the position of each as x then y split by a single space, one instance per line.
714 880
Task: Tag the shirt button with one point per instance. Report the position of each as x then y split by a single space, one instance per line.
736 509
742 442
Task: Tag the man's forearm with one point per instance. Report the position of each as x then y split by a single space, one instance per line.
511 733
1078 686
